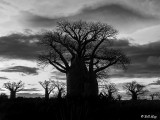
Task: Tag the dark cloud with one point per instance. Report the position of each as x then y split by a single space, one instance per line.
31 89
3 78
144 60
2 89
141 65
19 45
58 75
5 3
154 60
33 20
117 9
32 84
155 83
120 86
29 95
121 16
22 69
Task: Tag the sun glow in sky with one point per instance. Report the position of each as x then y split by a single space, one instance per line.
138 23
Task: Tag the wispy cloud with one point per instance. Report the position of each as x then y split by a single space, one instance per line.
144 60
121 16
30 89
5 3
56 75
2 89
18 45
32 20
29 95
3 78
22 69
155 83
31 84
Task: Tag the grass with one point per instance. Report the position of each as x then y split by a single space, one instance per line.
71 109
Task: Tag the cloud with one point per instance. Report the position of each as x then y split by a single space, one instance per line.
3 78
58 75
121 16
31 89
117 9
144 60
2 89
155 83
22 69
5 3
29 95
31 84
153 60
19 45
36 21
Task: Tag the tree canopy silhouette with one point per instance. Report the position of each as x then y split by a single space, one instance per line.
109 90
48 87
82 50
134 89
153 95
60 88
14 87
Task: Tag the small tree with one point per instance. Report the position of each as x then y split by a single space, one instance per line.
3 96
134 89
14 87
109 90
60 87
153 95
48 86
119 97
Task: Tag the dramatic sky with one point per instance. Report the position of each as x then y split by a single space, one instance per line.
138 23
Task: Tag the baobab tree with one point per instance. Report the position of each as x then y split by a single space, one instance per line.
119 97
153 95
83 51
109 90
134 89
60 87
14 87
48 87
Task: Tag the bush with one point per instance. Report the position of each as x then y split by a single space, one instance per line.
3 96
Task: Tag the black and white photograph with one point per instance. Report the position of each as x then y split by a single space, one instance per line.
79 59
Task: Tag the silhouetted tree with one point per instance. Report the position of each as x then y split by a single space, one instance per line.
153 95
119 97
14 87
82 51
60 87
134 89
109 90
3 96
48 87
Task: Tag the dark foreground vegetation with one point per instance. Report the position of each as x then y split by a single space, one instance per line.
78 109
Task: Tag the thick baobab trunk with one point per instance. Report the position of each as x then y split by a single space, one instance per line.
152 97
60 93
91 86
81 83
46 94
110 96
134 96
76 76
12 94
